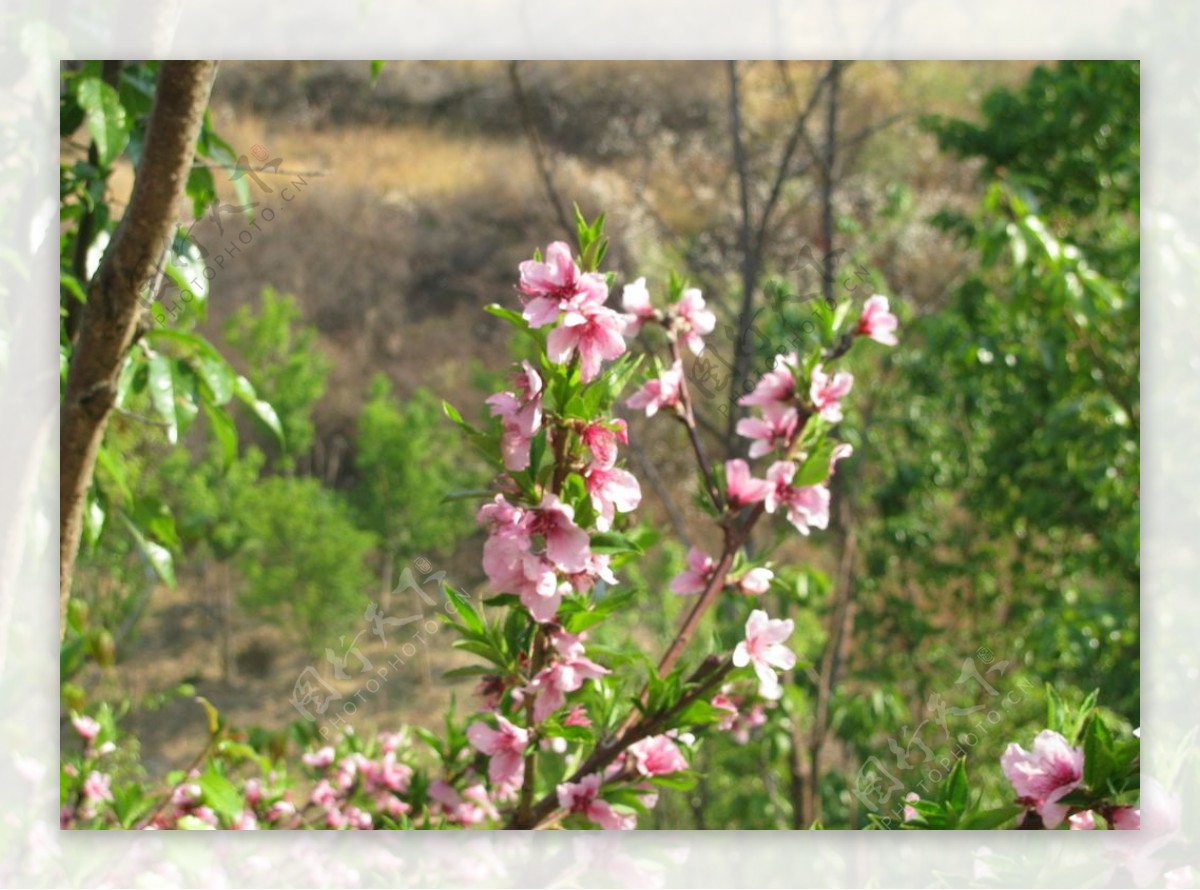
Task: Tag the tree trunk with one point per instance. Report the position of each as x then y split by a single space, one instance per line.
114 309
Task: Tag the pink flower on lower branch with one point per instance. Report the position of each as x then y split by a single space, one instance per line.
602 439
1085 821
506 748
877 321
582 797
635 300
96 786
773 430
827 392
594 332
566 675
521 413
611 491
691 322
87 728
469 808
754 581
567 545
1126 818
763 648
740 487
807 505
1042 776
657 756
696 576
774 387
661 392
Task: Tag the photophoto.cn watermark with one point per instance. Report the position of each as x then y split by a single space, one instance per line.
314 694
877 781
193 260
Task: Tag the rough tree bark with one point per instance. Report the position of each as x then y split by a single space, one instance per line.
114 308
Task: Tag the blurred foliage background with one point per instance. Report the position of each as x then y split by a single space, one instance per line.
985 539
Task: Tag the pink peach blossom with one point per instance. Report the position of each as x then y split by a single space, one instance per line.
521 414
592 331
660 392
910 812
1044 775
691 321
582 797
1126 819
87 728
657 756
841 451
827 392
319 759
635 300
1085 821
807 506
776 386
97 786
567 545
601 439
756 581
740 487
696 576
577 716
877 322
611 491
506 748
565 675
557 284
763 648
774 429
244 821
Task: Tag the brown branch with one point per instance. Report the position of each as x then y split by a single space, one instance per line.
539 154
110 318
688 417
827 182
741 350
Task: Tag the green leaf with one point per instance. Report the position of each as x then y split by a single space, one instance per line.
511 316
988 820
614 542
1098 755
700 713
376 70
157 555
681 781
105 117
816 467
220 793
483 650
225 432
162 393
957 788
244 390
463 607
93 518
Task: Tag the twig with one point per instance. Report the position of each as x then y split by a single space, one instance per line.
539 156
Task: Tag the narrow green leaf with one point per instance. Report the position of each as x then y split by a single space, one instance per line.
105 118
224 430
162 394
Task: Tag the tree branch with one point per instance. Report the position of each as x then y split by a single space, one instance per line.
113 311
539 155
